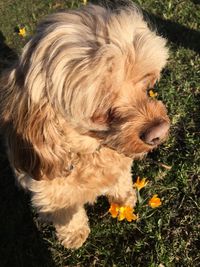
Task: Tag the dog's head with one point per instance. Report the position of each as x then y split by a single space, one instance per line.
87 72
136 124
120 59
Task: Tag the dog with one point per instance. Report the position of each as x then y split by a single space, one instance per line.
75 112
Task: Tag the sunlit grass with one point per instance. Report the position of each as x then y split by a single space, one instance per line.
167 235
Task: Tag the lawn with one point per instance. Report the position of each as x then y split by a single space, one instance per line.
165 236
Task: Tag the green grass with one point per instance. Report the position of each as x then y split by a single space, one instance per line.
168 235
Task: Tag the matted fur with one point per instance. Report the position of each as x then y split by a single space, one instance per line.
73 109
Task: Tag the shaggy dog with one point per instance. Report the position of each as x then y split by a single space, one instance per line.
75 112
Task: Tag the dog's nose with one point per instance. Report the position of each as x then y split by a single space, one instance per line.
155 134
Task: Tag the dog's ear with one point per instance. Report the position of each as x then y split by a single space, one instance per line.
40 141
34 144
31 132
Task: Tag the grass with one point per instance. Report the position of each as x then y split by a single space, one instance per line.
166 236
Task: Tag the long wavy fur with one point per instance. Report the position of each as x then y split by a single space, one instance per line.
74 107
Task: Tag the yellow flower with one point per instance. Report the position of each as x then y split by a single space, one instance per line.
122 212
121 215
152 94
22 32
85 2
114 210
155 202
140 183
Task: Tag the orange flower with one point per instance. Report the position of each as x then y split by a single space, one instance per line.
114 210
152 94
140 183
155 202
122 212
127 213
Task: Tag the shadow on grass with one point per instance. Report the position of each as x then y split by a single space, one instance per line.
174 32
21 243
196 2
7 55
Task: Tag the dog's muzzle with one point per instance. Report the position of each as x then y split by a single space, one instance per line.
155 135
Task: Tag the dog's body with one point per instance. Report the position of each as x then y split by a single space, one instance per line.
75 112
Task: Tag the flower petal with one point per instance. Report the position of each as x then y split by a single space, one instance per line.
140 183
121 216
22 32
114 210
131 217
155 202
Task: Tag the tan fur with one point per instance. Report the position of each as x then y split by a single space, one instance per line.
73 109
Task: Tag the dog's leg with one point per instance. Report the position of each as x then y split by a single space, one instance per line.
72 227
58 201
123 192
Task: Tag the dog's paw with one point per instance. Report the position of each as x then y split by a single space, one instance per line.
72 238
131 199
128 198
